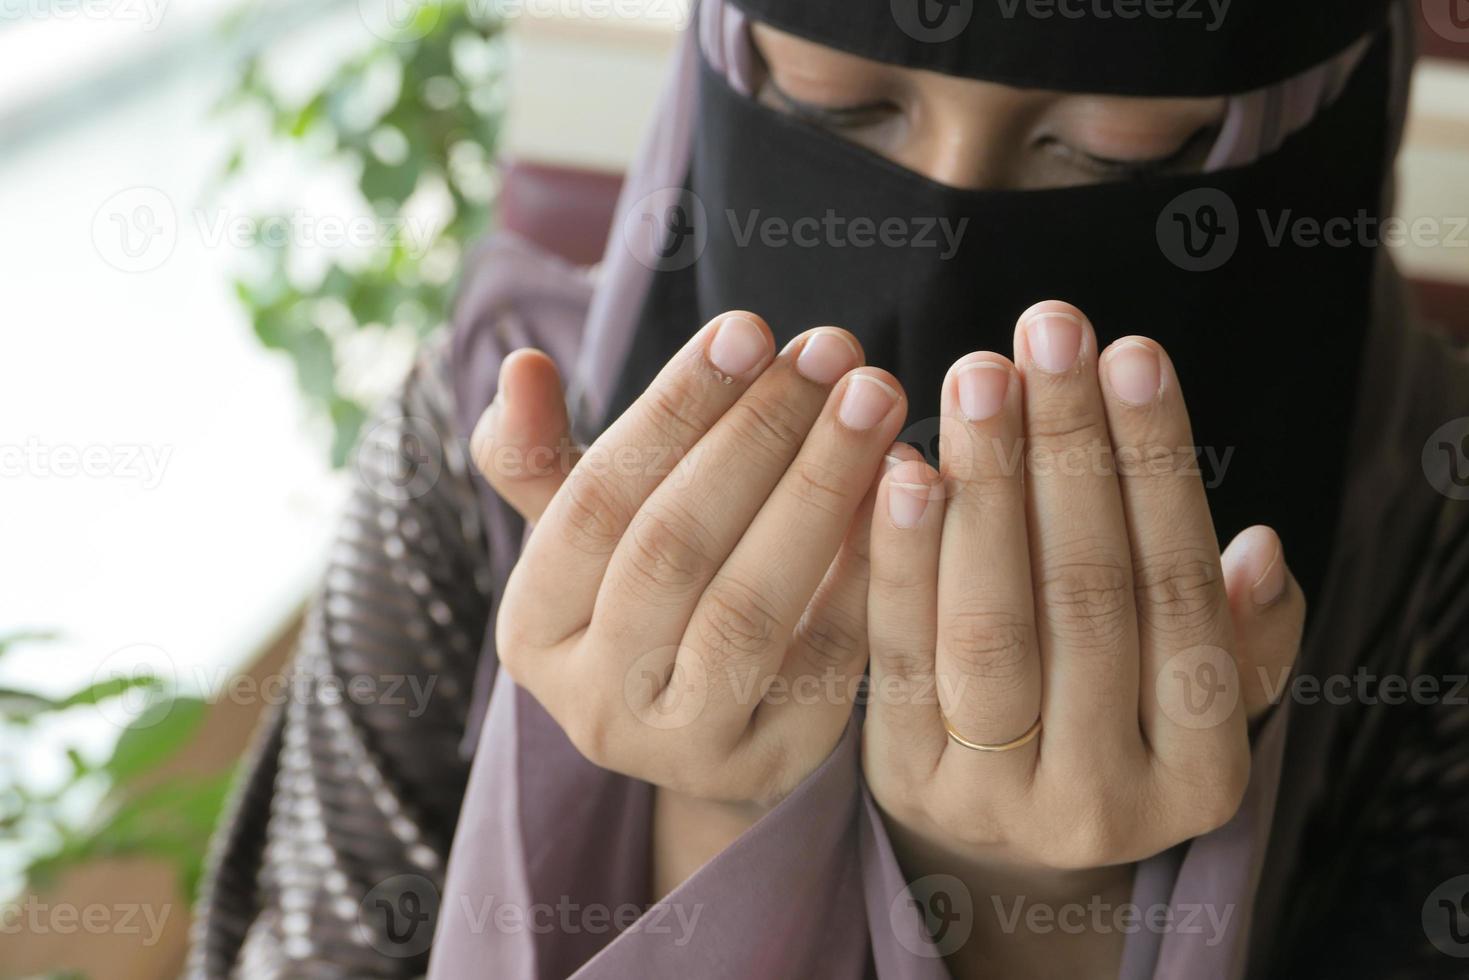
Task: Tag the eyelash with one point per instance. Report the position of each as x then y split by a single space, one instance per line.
869 113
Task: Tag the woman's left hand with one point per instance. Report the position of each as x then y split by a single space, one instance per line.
1064 572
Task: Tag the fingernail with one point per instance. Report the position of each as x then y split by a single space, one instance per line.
738 346
826 357
1054 340
1135 372
889 461
907 503
866 402
982 388
1270 586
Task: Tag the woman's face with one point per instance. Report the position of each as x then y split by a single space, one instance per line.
980 135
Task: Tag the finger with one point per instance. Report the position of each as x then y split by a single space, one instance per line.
830 648
522 444
1080 561
989 667
746 616
903 732
1182 610
1269 612
567 554
691 522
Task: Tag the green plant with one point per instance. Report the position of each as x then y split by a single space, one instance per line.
115 807
416 118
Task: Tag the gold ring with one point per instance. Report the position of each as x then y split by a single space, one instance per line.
1030 734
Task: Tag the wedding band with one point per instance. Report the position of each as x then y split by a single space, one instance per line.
1030 733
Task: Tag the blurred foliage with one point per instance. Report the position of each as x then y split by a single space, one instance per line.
115 807
416 118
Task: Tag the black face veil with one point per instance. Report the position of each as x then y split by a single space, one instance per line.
1256 280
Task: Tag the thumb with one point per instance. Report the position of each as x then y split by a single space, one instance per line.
1269 613
522 444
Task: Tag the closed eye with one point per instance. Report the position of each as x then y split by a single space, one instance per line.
833 117
1189 152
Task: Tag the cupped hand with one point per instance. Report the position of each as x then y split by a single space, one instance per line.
690 606
1059 589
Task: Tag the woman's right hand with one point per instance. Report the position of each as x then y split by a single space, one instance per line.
691 604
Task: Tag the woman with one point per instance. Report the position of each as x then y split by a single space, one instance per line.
884 629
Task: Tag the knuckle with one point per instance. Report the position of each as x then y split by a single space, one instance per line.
1088 600
674 409
735 623
819 488
671 550
1179 590
1062 424
771 423
830 639
591 518
992 646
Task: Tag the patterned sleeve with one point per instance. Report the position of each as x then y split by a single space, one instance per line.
333 854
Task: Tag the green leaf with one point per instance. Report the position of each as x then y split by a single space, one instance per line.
110 688
162 730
